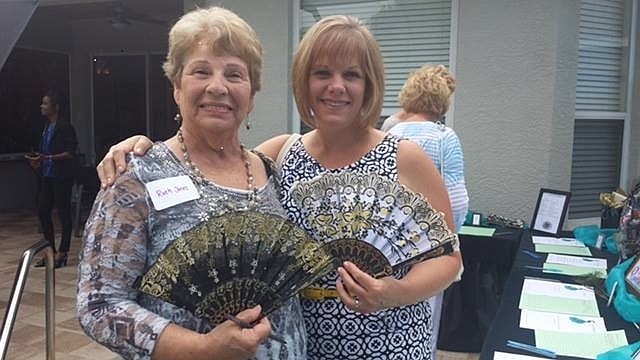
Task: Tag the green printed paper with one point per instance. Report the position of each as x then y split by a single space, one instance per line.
476 231
559 305
562 249
584 345
572 270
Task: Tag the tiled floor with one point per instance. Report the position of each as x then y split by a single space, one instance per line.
18 231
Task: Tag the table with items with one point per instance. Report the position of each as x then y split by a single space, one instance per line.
553 300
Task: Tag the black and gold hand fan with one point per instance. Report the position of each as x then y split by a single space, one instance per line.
233 262
376 223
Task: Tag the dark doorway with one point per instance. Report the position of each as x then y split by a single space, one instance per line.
119 99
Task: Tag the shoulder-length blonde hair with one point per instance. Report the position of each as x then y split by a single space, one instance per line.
224 31
339 37
428 90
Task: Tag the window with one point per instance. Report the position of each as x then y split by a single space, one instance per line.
410 33
601 106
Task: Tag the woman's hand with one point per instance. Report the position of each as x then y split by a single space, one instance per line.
227 341
35 159
363 293
239 343
116 158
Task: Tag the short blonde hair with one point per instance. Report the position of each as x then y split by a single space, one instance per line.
224 31
340 37
428 90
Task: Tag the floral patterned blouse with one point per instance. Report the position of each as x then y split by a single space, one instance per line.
125 234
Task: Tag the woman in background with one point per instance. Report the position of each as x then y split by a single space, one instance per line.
57 165
425 98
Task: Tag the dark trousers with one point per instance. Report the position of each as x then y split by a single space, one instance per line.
56 191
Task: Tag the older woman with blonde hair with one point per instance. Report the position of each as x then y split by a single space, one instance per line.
425 98
214 62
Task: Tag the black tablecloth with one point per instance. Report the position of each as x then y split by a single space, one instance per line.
470 304
505 325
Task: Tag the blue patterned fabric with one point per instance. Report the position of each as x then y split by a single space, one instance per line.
124 236
430 136
47 164
335 332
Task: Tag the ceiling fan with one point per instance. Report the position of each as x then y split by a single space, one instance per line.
121 17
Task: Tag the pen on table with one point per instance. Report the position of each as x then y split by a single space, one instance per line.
637 326
531 348
245 325
613 291
530 253
540 268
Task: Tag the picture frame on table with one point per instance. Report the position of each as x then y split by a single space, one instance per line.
551 209
476 219
632 277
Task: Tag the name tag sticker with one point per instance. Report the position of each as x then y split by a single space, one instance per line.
171 191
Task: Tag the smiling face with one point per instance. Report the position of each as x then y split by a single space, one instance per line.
214 91
341 44
336 91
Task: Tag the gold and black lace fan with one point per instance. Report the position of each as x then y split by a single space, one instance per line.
233 262
378 224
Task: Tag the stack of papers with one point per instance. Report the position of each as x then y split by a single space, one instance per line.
569 246
558 297
584 345
565 316
575 265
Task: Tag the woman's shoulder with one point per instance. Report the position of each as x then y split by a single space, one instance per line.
158 162
272 146
268 162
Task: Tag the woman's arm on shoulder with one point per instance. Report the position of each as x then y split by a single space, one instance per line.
272 147
115 161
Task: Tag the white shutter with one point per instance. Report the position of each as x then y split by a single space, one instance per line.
602 44
602 78
410 34
597 149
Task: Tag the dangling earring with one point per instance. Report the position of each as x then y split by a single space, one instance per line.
178 118
247 123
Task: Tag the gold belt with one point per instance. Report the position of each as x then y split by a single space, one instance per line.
320 294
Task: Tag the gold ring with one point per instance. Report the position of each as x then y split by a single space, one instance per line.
356 302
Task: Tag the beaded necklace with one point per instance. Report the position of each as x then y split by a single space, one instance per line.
200 179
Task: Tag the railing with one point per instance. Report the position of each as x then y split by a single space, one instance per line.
16 296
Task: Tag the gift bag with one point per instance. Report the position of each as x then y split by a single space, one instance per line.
609 217
629 226
612 204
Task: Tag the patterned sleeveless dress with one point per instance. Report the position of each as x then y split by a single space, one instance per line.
335 332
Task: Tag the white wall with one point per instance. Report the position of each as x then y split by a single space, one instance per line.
271 19
515 100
